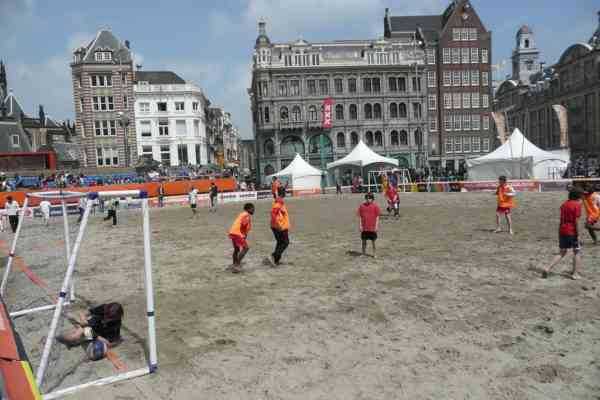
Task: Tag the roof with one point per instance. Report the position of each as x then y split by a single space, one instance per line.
298 168
159 77
7 129
524 30
105 40
362 156
13 108
431 25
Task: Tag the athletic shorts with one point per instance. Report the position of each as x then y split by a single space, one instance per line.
503 210
568 242
239 242
364 235
193 206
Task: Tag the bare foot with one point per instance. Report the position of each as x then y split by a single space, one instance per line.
575 276
498 230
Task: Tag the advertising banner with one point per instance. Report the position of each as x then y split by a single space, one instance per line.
264 194
490 186
327 113
56 211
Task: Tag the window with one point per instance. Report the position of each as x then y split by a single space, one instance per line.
263 88
394 139
466 144
465 78
339 85
455 78
472 34
402 138
474 56
456 34
485 101
402 112
283 114
354 138
485 79
416 84
447 78
81 104
105 128
448 123
402 84
430 55
456 100
165 155
368 111
475 100
475 122
464 34
269 147
124 78
392 86
486 123
295 87
339 112
475 144
449 147
486 145
15 140
433 124
311 86
376 85
161 107
103 103
145 129
198 150
144 107
180 128
101 80
377 111
341 139
458 144
378 139
196 132
417 114
352 85
457 122
366 85
475 78
103 56
369 138
431 79
267 115
447 101
393 110
315 59
323 87
195 106
296 114
163 128
125 103
484 56
353 112
455 56
283 88
106 157
465 55
312 113
182 154
466 99
466 122
147 152
446 56
109 100
432 102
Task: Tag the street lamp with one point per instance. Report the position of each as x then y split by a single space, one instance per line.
124 123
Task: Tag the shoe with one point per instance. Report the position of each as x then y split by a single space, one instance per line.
575 276
545 274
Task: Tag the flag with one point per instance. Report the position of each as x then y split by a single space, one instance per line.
327 111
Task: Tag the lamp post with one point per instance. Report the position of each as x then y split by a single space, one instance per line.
124 123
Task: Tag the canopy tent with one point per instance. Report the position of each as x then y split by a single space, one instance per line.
518 158
362 156
303 175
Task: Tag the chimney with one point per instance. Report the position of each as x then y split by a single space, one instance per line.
127 44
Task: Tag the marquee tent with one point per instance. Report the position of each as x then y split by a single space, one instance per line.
362 156
303 175
518 158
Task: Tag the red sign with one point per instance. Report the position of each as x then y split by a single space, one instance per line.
327 111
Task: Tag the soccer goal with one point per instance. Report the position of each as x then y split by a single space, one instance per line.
398 177
38 287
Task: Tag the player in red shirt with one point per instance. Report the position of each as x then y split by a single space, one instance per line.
238 234
368 214
570 211
393 200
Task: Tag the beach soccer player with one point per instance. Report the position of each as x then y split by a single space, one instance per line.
338 188
280 225
393 201
193 199
238 233
568 238
591 203
213 193
12 210
368 216
102 322
275 185
45 210
505 195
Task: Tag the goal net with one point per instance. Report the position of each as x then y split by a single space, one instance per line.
58 269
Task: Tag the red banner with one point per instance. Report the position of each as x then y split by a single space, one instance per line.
327 111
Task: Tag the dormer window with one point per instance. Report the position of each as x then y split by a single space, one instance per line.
103 56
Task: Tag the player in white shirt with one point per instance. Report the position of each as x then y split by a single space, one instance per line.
193 198
45 210
12 210
82 204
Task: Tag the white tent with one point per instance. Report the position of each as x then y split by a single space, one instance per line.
303 175
518 158
362 156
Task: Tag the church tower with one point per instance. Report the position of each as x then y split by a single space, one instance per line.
526 56
3 82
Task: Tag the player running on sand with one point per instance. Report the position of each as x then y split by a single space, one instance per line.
591 203
280 225
193 199
368 215
570 211
393 201
238 234
505 195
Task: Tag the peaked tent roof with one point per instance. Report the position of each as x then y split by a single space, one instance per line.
298 168
362 156
517 146
105 40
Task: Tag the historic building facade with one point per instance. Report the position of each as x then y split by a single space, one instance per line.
170 119
459 55
567 94
376 91
103 80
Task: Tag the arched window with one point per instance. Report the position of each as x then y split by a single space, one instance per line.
269 147
402 110
341 139
417 110
291 145
339 112
526 43
377 111
312 113
418 137
354 138
296 114
369 138
378 139
315 143
393 110
269 170
394 140
267 117
283 114
353 112
368 111
403 138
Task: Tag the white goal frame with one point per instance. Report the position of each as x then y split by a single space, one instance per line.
67 285
405 178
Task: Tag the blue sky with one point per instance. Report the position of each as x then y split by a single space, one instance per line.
211 42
